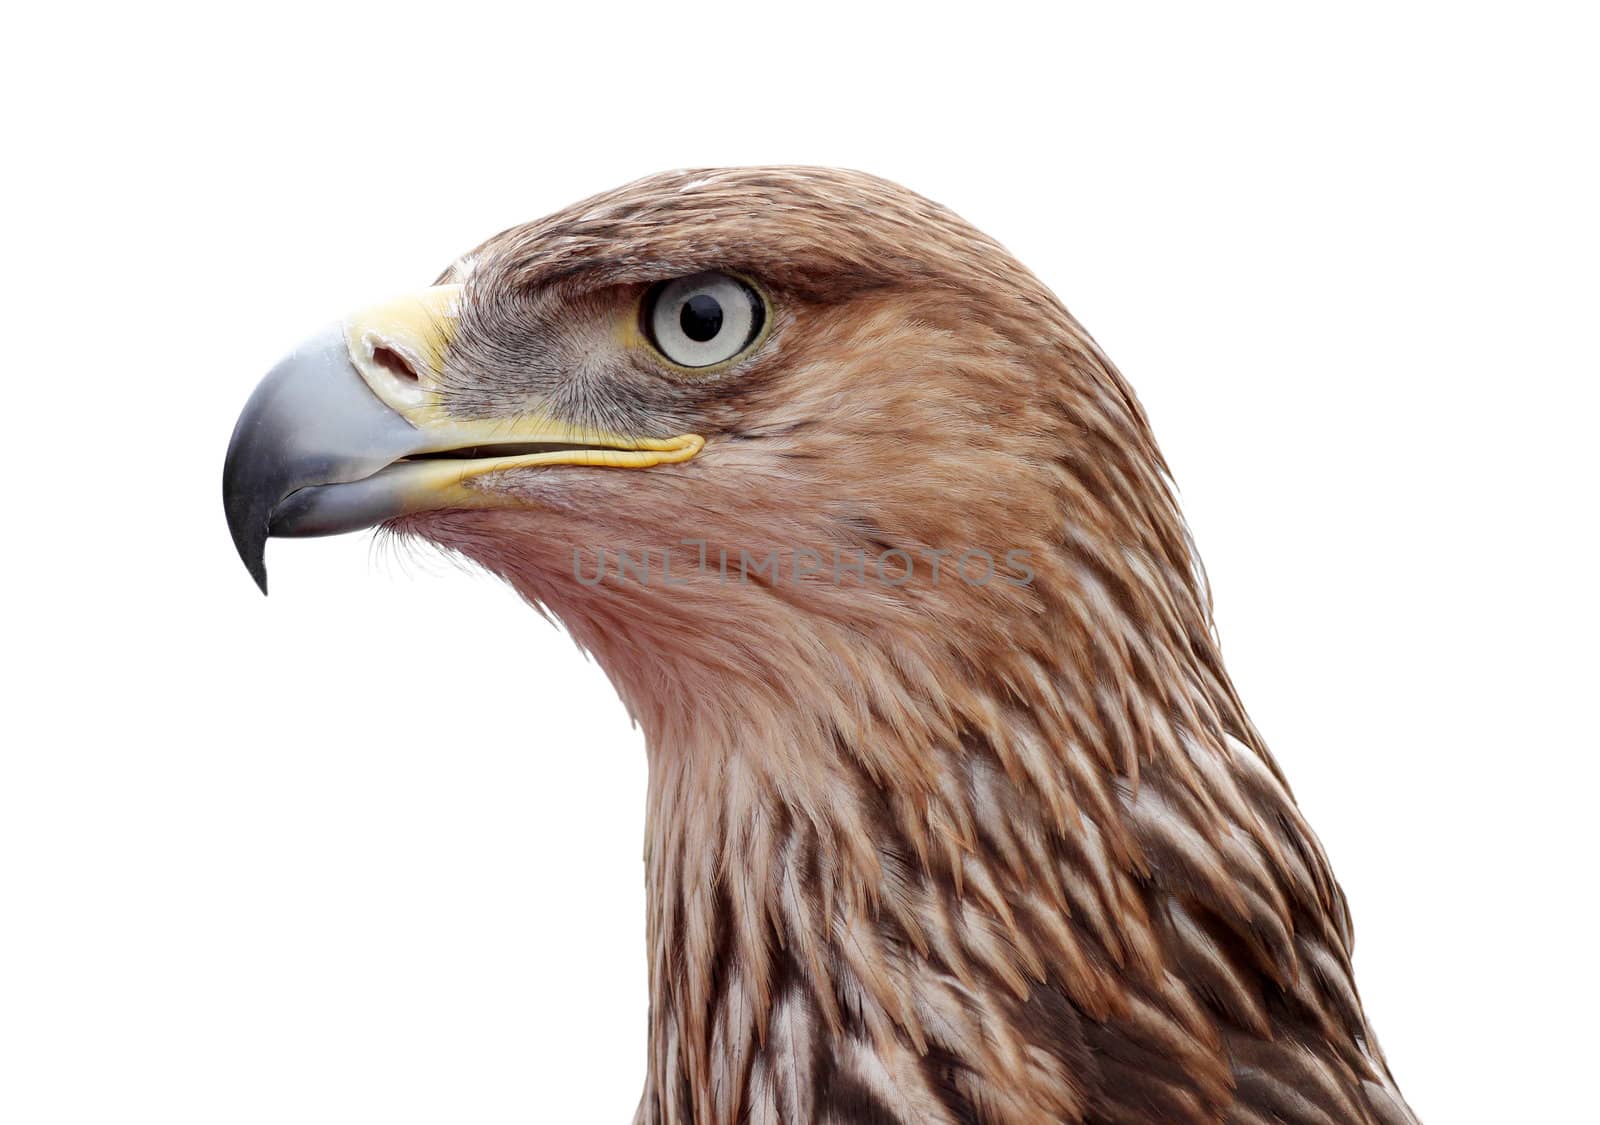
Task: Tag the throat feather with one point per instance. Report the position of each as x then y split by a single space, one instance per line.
986 914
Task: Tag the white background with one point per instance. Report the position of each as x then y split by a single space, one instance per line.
368 851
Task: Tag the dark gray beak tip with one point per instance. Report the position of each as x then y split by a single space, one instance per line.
247 521
253 552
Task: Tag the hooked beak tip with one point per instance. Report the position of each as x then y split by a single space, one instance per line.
258 570
249 531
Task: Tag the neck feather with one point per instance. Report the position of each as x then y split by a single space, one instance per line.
913 879
1007 854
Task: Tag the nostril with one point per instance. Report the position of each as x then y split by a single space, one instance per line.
395 364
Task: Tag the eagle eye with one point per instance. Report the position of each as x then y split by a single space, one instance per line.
704 319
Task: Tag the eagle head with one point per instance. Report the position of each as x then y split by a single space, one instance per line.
858 417
954 814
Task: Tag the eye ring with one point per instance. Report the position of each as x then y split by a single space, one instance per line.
703 321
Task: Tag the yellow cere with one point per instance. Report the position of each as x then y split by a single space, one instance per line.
399 347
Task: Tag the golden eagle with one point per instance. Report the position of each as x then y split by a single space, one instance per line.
954 814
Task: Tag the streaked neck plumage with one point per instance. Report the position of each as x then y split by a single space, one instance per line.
1013 854
951 853
915 879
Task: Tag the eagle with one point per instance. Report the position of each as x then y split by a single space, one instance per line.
954 815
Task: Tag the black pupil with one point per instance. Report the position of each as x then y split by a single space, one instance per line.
701 318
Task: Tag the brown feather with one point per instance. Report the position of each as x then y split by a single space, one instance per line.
931 852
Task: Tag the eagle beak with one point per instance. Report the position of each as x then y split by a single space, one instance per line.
351 430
